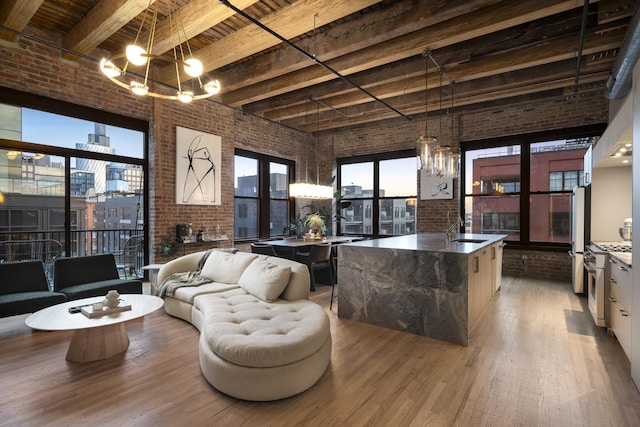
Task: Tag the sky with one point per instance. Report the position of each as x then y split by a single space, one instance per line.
52 129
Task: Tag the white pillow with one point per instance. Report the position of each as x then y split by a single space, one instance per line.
265 280
225 267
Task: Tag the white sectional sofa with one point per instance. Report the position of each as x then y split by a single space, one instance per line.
260 337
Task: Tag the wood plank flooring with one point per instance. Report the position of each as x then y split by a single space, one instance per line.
535 359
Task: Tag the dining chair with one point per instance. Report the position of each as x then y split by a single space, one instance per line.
319 256
263 248
130 258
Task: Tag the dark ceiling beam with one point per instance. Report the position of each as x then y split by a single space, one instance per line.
290 21
394 20
516 59
484 21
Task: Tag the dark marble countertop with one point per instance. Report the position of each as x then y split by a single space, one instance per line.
433 242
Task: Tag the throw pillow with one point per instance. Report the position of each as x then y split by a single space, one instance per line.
226 267
265 280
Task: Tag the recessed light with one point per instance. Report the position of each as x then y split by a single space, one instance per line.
623 150
628 144
625 161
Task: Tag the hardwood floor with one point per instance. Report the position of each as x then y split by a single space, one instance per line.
535 358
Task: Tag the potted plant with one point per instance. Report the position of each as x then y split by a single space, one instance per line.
315 224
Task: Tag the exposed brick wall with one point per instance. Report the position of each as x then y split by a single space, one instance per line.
469 125
539 264
32 67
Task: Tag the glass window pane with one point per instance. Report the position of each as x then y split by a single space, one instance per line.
492 186
246 221
398 177
33 188
493 171
278 181
61 131
555 181
561 158
246 176
357 218
279 216
357 180
397 217
552 219
493 215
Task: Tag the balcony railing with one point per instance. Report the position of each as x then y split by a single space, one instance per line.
83 243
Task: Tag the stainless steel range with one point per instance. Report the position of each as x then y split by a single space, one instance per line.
596 263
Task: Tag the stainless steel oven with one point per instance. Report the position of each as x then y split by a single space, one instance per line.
596 264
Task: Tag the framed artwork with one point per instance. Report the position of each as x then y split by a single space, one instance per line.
198 160
435 187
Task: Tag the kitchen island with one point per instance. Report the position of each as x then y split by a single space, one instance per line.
420 283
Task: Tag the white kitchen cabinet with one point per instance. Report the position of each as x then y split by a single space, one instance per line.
620 303
496 264
481 284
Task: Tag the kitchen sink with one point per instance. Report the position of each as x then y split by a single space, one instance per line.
469 240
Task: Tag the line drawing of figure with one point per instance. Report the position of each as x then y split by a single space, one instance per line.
200 167
440 188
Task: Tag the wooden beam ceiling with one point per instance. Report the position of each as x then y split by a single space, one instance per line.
495 50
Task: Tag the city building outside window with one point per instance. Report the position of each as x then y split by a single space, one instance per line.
382 189
82 151
524 189
262 203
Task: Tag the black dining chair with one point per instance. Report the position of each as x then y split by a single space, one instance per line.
263 248
319 256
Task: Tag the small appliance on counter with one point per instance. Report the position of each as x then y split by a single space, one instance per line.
625 230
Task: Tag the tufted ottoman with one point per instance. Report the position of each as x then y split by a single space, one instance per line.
255 350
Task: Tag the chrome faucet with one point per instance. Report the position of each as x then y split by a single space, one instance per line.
451 231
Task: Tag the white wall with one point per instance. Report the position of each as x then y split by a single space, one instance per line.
635 276
611 202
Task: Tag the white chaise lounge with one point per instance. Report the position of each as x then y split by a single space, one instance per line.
260 337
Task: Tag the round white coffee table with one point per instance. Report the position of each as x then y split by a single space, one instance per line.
98 338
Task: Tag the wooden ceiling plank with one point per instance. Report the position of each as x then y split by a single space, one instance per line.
197 16
613 10
525 58
372 28
485 21
379 114
102 21
16 14
528 34
289 22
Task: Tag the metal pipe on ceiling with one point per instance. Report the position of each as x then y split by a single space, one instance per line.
619 81
312 57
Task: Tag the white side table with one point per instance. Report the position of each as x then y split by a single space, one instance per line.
153 276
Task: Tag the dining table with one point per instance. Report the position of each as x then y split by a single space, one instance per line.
290 246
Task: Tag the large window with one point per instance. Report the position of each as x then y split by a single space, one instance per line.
262 202
522 186
382 190
76 176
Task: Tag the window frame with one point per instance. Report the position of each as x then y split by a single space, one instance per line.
525 141
264 197
63 108
376 198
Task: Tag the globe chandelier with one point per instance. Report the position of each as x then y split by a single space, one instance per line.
140 53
